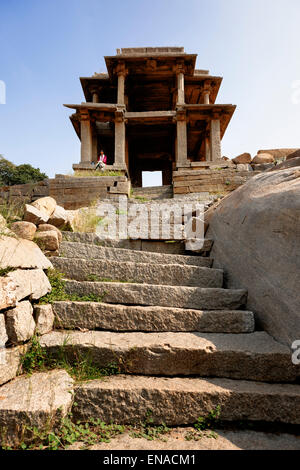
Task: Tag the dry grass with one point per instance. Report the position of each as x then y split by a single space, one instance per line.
86 219
12 209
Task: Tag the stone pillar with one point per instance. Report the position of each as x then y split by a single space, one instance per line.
181 140
121 71
95 97
95 94
180 88
86 138
94 144
206 94
215 140
207 149
121 88
120 136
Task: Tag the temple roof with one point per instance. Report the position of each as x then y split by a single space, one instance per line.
154 60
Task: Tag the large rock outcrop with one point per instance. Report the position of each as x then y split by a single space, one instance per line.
256 231
279 154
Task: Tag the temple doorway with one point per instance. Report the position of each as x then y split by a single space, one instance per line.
151 149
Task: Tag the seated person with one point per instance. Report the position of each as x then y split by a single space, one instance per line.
101 163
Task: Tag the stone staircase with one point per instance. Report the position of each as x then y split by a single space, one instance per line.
153 192
184 344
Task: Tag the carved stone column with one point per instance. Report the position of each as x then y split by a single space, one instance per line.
95 95
86 138
215 139
121 71
181 140
120 136
207 147
206 95
180 70
94 143
180 86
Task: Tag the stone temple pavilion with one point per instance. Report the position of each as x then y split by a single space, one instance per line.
152 111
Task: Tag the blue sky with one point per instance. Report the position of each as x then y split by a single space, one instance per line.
45 45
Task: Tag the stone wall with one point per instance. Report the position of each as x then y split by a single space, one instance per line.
223 180
76 192
30 191
69 192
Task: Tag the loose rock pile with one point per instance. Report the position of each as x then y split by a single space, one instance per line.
22 282
42 222
265 159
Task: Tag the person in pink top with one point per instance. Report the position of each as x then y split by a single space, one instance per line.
102 159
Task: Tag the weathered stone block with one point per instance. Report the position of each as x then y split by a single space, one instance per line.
10 359
3 333
253 356
98 315
48 228
180 401
44 318
149 273
20 324
45 204
21 253
59 218
34 215
31 283
8 296
47 240
39 401
24 229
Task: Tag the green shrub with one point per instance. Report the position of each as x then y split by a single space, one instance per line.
11 174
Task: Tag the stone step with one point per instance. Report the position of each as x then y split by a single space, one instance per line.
153 192
40 400
181 401
161 295
179 439
254 356
96 315
153 246
126 271
91 251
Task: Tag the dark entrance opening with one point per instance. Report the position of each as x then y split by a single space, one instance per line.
151 148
